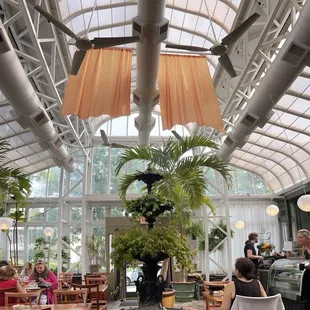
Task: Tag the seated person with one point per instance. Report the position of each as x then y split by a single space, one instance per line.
244 285
41 274
27 271
8 281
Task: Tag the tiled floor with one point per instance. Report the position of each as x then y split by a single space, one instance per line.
198 304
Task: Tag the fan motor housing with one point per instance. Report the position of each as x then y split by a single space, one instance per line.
218 50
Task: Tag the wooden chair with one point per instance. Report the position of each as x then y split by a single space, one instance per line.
3 291
94 294
212 301
65 280
70 296
92 280
24 298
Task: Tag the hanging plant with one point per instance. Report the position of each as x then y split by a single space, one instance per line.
215 236
195 231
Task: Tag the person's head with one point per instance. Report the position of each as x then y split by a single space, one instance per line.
40 270
28 266
253 237
303 237
244 268
7 273
3 263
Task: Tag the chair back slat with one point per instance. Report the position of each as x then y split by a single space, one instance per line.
93 295
25 298
70 296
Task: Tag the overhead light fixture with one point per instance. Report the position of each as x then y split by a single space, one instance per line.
272 210
48 231
6 222
239 225
303 203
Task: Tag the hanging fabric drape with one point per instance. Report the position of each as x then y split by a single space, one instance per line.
187 93
102 85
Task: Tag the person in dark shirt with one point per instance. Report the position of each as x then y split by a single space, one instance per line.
250 251
244 285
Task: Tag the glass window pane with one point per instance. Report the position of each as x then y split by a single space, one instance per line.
33 234
117 212
119 126
76 177
99 213
52 214
261 186
114 178
35 214
75 213
39 182
53 182
245 182
210 175
100 170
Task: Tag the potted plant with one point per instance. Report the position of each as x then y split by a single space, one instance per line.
183 176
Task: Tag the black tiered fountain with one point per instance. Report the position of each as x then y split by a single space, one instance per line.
150 286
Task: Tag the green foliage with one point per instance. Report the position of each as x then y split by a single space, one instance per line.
143 243
195 230
184 180
216 235
95 246
13 183
40 248
148 206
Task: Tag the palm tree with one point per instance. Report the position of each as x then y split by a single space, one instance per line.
14 185
184 179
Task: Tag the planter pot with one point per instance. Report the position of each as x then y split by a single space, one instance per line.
184 291
168 298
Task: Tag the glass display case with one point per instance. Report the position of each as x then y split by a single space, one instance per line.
284 277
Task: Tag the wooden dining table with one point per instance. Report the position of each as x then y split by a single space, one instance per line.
53 307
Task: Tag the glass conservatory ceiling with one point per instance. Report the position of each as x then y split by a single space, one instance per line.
279 151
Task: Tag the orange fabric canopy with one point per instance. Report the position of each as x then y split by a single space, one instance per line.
187 93
102 85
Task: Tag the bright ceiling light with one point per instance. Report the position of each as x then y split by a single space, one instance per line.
272 210
6 222
239 225
48 231
303 203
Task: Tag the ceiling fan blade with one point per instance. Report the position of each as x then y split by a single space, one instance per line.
56 22
188 48
104 137
235 35
77 62
118 146
227 65
107 42
176 135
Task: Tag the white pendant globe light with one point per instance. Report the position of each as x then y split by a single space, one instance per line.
6 222
239 225
48 231
272 210
303 203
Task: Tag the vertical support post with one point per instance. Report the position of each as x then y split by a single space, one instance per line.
206 252
84 217
227 218
60 211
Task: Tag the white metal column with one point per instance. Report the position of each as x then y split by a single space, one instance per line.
60 211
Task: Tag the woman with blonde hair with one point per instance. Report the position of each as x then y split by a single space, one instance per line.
42 275
8 282
27 271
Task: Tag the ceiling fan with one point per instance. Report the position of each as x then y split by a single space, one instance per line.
106 141
83 44
176 135
221 48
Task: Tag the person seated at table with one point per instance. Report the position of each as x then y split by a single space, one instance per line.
3 263
8 281
42 275
27 271
244 285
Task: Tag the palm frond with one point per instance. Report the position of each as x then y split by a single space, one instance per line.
125 181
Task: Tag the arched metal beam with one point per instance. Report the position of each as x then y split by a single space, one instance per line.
272 160
281 152
117 5
276 177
